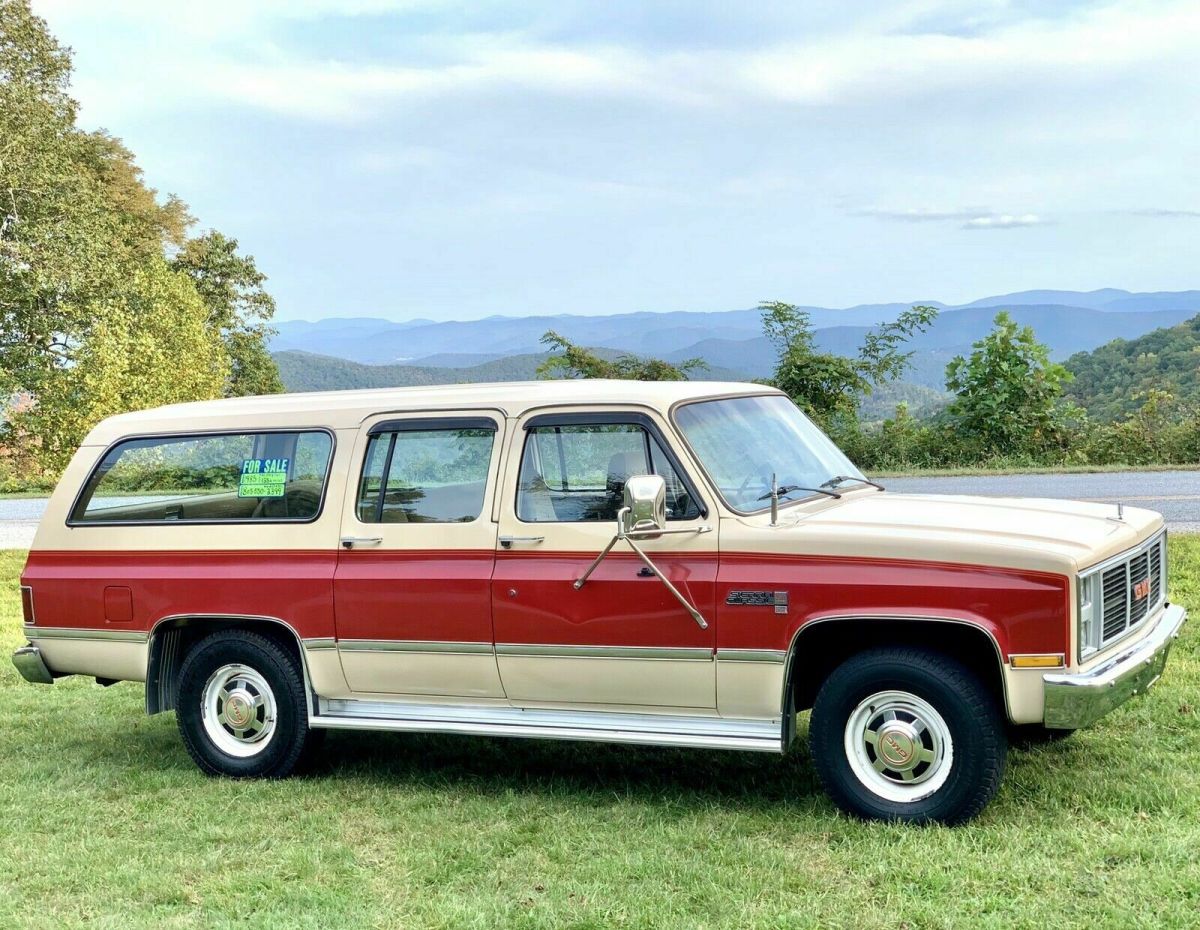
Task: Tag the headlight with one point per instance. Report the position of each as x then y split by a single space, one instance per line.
1089 623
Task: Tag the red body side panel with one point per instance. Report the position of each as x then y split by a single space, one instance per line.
618 606
293 585
1025 611
447 596
428 594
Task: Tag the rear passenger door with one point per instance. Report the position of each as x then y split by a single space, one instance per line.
412 587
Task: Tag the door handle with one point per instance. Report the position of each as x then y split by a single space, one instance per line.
352 542
506 542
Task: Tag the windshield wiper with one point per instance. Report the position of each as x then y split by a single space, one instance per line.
789 488
839 479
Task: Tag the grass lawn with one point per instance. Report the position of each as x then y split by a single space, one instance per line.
105 822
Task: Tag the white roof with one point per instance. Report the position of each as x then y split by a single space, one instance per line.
347 409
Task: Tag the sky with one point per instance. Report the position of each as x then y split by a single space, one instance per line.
458 160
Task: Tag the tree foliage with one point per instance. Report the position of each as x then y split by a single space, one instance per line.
577 362
84 270
1008 392
147 347
1113 381
238 308
829 387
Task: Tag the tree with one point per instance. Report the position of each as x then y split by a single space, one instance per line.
238 307
827 386
578 362
94 320
148 346
1008 393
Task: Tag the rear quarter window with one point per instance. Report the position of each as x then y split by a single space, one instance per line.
274 477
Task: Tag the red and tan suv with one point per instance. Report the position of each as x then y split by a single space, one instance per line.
675 564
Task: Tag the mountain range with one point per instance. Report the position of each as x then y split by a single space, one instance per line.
503 347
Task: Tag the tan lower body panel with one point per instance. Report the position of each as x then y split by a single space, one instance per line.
394 671
122 659
325 669
570 680
1026 694
750 689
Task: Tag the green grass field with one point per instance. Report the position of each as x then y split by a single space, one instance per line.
104 822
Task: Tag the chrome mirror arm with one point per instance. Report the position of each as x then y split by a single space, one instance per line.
629 537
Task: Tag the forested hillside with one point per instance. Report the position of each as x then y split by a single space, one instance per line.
1110 380
307 371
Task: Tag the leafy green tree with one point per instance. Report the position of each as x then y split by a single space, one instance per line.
93 319
578 362
827 386
239 309
148 346
1009 394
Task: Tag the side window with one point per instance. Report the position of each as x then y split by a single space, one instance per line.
436 475
268 477
577 472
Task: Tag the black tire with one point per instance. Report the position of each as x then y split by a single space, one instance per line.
286 743
971 759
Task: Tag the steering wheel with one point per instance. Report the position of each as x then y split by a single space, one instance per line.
763 476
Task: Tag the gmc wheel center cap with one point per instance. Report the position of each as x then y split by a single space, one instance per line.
897 745
238 709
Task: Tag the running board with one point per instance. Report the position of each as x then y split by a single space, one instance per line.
592 726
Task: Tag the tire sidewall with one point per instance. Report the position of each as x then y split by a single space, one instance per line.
971 719
291 717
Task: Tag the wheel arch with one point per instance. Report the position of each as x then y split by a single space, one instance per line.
172 637
821 645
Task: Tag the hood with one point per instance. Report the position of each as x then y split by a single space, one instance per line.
1028 533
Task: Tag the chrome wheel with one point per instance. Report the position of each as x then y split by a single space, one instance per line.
238 709
899 746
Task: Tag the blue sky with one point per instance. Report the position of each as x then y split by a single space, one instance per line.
454 161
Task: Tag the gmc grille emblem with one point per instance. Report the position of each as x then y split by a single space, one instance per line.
1141 589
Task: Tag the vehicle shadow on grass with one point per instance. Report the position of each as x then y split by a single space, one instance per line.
583 772
578 768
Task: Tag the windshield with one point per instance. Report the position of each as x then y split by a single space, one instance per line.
742 441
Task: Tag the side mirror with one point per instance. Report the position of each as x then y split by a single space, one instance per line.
645 506
644 516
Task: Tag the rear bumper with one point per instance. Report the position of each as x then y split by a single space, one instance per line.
29 662
1078 700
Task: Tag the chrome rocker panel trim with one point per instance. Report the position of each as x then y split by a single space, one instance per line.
29 662
1079 700
590 726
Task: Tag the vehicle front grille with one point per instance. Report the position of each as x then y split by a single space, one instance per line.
1131 589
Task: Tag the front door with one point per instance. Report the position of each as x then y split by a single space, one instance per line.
411 591
622 640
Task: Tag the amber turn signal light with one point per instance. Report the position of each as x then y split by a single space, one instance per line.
1047 660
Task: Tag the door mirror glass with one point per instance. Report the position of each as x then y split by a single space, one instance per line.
645 505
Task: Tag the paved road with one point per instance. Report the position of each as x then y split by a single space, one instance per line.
18 520
1174 494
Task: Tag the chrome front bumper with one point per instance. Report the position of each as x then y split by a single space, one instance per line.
29 662
1078 700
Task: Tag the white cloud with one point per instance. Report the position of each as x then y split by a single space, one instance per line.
1004 221
222 52
920 214
969 218
1169 214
